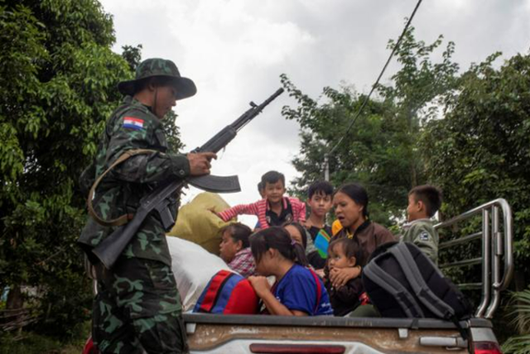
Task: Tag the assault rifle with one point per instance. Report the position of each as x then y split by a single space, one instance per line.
160 198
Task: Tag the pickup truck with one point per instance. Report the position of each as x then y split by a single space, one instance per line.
493 243
209 333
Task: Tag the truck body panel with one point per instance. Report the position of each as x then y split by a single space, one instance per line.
236 333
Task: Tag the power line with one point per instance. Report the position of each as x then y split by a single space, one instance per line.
326 162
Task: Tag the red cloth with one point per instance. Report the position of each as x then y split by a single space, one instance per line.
260 208
243 263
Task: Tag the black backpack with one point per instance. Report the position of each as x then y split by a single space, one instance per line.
402 282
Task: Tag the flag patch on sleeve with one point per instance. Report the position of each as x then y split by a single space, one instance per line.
133 123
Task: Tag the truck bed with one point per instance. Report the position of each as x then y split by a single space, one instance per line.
247 334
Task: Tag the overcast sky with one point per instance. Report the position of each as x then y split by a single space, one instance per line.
235 51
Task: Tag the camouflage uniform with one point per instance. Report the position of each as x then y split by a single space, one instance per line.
137 301
421 232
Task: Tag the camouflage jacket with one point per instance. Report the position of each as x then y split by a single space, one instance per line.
131 126
421 232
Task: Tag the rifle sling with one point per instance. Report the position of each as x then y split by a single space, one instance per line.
123 219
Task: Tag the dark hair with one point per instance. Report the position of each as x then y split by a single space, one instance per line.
300 229
320 187
157 81
272 177
349 247
260 187
278 238
238 232
358 194
430 196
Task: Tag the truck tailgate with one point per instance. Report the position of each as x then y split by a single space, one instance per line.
260 334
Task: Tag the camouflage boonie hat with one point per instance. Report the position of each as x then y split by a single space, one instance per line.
159 67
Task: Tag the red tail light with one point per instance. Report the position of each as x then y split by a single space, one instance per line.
90 348
486 348
297 348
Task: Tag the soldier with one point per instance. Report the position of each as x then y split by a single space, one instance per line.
138 305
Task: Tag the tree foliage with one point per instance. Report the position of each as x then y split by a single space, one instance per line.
520 303
381 151
480 150
468 134
57 88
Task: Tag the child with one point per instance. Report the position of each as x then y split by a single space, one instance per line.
320 200
297 232
424 202
274 209
351 209
298 291
235 249
261 191
343 253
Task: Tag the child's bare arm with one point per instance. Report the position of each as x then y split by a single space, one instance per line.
262 288
247 209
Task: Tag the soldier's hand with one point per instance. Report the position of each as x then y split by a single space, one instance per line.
200 163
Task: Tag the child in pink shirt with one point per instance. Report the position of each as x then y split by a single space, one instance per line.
275 209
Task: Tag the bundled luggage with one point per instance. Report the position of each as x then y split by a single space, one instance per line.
196 223
193 268
228 293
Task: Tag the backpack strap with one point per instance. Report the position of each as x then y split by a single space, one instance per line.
289 216
123 219
210 296
416 281
376 274
423 292
319 290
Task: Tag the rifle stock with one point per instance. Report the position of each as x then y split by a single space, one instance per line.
113 245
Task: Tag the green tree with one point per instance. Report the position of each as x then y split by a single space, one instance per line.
57 88
480 150
381 151
415 92
364 155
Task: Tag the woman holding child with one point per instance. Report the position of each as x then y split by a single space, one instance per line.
351 209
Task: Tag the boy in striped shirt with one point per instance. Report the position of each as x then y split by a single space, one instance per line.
275 209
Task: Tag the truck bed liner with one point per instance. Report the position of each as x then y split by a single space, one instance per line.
329 321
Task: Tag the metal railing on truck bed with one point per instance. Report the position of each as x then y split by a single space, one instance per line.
496 255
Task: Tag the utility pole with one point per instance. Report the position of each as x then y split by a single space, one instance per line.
326 168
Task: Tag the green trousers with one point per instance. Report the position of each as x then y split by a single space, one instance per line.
138 309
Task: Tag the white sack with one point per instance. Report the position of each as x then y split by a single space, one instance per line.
193 268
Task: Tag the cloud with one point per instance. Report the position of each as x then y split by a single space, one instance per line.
235 51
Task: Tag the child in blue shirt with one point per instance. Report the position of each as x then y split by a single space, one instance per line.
298 291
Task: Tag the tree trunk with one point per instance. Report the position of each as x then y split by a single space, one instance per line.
14 298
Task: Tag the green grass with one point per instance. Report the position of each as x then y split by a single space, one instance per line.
31 343
520 305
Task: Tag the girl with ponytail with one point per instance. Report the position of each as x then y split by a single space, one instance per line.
297 291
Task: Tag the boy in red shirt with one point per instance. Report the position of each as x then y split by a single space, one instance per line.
275 209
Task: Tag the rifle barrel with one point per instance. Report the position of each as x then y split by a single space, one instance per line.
112 247
254 111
